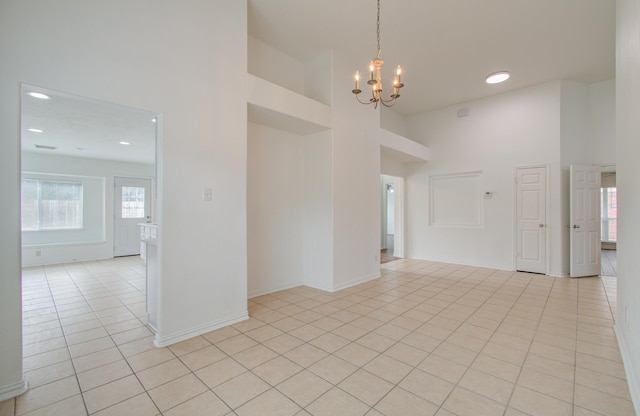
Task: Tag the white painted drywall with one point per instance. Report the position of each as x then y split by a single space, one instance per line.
67 247
501 132
188 64
628 172
266 62
602 122
275 209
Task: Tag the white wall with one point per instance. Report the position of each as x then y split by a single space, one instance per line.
628 172
504 131
356 185
275 209
98 227
186 61
602 122
268 63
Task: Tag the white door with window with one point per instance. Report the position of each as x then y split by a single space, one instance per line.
585 221
132 198
531 219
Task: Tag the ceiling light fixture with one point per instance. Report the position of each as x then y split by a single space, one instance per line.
498 77
39 95
374 78
125 143
35 130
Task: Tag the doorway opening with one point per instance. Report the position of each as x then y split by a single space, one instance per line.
392 224
609 222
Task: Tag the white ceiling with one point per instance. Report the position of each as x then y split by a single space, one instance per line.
82 127
448 47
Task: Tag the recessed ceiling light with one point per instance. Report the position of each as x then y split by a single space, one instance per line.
154 120
39 95
125 143
498 77
35 130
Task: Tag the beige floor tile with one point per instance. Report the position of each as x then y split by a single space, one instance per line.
219 372
104 374
464 402
45 375
488 386
136 346
264 333
46 395
7 407
162 373
307 332
455 353
600 402
376 342
400 402
112 393
176 392
241 389
427 386
497 368
443 368
270 403
203 357
189 346
337 402
150 358
366 387
332 369
254 356
96 359
350 332
131 335
422 341
283 343
304 387
92 346
248 325
388 368
235 344
277 370
72 406
356 354
547 384
305 355
550 367
45 359
534 403
329 342
140 405
205 404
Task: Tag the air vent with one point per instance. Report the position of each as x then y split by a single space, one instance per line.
42 146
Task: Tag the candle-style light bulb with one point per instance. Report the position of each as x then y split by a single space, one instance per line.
371 70
357 77
398 72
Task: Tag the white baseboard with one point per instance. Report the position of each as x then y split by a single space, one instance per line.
278 289
13 390
355 282
170 339
632 377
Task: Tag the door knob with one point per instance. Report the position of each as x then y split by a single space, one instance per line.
541 225
576 226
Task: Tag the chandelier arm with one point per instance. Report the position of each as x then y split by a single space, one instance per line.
362 102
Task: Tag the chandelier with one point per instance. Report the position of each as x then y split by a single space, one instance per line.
374 80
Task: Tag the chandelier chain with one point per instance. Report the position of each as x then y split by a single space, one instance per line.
378 29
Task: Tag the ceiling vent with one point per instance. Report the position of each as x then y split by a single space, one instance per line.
42 146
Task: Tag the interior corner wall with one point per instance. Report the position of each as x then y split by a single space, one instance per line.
318 211
105 170
356 185
270 64
501 132
275 209
166 58
628 172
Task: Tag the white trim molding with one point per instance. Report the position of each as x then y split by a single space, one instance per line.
13 390
166 340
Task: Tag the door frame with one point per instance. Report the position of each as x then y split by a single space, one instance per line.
514 209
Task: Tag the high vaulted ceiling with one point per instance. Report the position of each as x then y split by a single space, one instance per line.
448 47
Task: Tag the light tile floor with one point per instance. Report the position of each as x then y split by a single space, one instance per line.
425 339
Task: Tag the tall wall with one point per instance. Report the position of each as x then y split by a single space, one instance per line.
500 133
628 172
183 60
102 171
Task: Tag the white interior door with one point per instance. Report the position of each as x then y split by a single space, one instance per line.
531 219
132 198
585 221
